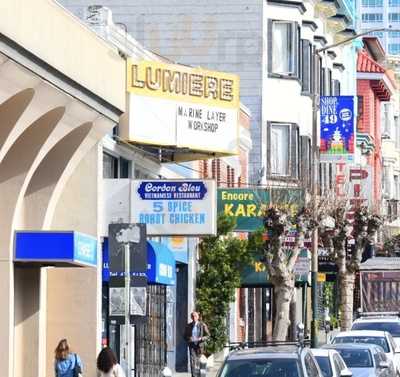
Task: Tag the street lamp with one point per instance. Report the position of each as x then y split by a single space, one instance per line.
314 187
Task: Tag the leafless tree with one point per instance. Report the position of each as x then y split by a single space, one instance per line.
346 242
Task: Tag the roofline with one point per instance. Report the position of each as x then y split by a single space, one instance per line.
375 47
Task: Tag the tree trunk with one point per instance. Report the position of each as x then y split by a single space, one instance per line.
346 286
293 318
283 297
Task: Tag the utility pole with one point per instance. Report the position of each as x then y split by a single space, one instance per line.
314 194
314 176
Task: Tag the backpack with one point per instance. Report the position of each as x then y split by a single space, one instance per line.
77 369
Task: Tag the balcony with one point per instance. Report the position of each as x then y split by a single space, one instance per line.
348 8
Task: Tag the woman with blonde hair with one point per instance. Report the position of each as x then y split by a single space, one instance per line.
107 364
67 364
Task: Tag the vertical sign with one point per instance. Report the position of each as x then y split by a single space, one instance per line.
337 128
135 235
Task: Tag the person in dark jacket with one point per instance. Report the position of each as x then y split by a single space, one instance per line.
196 333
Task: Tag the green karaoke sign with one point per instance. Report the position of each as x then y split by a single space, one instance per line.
248 205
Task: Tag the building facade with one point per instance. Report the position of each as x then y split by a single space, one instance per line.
269 45
390 151
377 14
55 108
375 88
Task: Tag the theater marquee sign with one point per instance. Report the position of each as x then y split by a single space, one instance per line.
182 107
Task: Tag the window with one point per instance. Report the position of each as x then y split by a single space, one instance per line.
397 130
262 367
329 83
283 151
394 17
360 107
379 341
394 34
394 3
110 166
325 366
284 41
337 365
372 3
306 67
336 88
326 82
372 17
115 167
387 119
378 34
124 168
319 79
394 48
312 370
305 161
356 358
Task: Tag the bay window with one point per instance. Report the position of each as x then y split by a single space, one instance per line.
283 150
284 42
306 67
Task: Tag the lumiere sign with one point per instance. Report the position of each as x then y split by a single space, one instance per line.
182 107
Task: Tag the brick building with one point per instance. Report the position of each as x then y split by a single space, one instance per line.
374 86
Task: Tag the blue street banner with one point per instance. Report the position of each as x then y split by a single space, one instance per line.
337 128
175 207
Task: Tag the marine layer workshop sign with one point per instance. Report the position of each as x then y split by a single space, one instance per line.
182 107
175 207
247 205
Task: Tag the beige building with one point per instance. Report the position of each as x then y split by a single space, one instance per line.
62 89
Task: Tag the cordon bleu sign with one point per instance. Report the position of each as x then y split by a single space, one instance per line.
183 107
175 207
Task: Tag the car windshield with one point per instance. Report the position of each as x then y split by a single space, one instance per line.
273 367
356 358
391 327
325 365
379 341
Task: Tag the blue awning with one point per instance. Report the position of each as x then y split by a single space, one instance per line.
160 264
66 247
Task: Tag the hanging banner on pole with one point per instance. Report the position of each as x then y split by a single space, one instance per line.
337 128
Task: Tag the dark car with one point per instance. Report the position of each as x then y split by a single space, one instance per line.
271 361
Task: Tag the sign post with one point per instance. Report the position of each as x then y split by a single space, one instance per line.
126 244
127 309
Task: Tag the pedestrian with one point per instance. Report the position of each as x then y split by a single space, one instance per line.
196 333
107 364
67 364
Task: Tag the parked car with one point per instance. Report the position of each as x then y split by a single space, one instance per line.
364 360
271 361
380 338
331 363
379 322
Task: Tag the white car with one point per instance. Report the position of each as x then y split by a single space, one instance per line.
331 363
364 360
380 338
379 322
